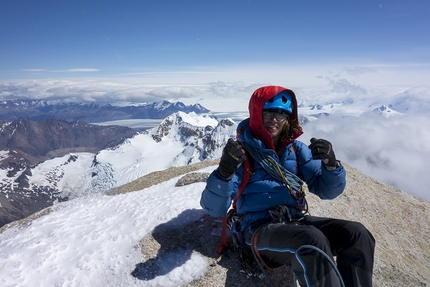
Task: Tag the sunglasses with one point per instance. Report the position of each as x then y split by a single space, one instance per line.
280 117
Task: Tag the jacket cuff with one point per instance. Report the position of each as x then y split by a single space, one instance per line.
224 178
331 168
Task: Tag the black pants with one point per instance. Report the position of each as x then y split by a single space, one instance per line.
351 243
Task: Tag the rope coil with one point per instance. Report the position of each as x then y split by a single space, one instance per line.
293 183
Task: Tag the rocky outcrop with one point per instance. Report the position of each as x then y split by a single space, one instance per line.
205 141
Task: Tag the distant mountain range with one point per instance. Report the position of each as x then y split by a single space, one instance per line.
38 110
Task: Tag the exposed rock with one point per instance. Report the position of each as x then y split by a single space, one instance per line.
160 176
192 178
163 129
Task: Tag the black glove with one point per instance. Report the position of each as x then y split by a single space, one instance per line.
322 149
232 157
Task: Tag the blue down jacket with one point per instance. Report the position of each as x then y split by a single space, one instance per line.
262 191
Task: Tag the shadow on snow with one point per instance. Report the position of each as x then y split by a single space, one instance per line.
195 231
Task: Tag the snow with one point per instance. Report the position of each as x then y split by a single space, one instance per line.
65 173
92 240
3 154
198 121
141 154
144 154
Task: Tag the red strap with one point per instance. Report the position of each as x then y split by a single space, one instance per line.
245 178
220 248
255 248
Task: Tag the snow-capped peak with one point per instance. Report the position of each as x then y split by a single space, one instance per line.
386 111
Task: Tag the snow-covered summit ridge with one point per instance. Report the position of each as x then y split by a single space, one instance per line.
386 111
177 123
195 120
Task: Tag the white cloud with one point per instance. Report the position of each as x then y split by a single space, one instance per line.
359 70
394 150
343 86
73 70
76 70
34 70
113 92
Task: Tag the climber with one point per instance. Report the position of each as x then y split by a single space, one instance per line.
273 209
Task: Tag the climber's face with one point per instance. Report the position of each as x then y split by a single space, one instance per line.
274 123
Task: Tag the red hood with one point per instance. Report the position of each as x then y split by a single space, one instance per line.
256 103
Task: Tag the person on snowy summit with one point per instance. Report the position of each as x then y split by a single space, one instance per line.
273 211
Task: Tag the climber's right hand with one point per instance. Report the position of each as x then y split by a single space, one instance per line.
233 155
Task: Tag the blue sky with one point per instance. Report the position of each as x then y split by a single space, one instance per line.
58 39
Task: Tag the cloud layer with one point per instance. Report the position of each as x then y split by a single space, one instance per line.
393 149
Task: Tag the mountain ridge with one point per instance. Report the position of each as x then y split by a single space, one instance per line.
25 144
39 110
46 139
